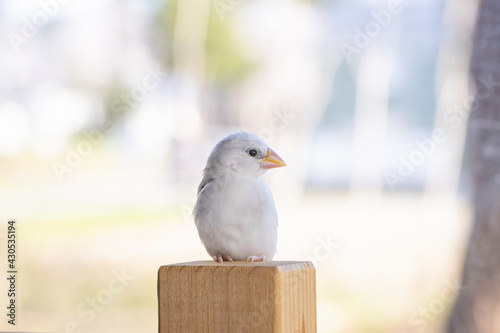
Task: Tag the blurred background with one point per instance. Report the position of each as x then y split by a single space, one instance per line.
109 109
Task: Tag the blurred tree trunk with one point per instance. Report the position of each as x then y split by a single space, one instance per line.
477 309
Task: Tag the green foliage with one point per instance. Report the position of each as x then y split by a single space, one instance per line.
225 58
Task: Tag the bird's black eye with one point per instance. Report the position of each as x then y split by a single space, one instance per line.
252 152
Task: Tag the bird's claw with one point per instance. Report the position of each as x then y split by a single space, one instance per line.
221 258
257 258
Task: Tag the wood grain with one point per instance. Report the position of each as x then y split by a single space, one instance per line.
203 296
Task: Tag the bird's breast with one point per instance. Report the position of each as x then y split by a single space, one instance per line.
247 194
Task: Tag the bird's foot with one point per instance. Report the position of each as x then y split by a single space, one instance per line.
257 258
221 258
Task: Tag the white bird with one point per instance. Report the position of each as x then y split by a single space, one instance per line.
235 212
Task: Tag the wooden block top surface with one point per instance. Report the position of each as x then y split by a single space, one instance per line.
280 265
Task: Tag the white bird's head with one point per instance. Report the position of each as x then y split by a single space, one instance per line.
244 153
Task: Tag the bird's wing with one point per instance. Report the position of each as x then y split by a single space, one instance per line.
204 182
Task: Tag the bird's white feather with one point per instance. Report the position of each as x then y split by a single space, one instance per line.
235 212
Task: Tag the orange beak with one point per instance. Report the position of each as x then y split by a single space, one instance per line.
272 160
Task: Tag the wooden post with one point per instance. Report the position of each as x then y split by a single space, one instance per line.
203 296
